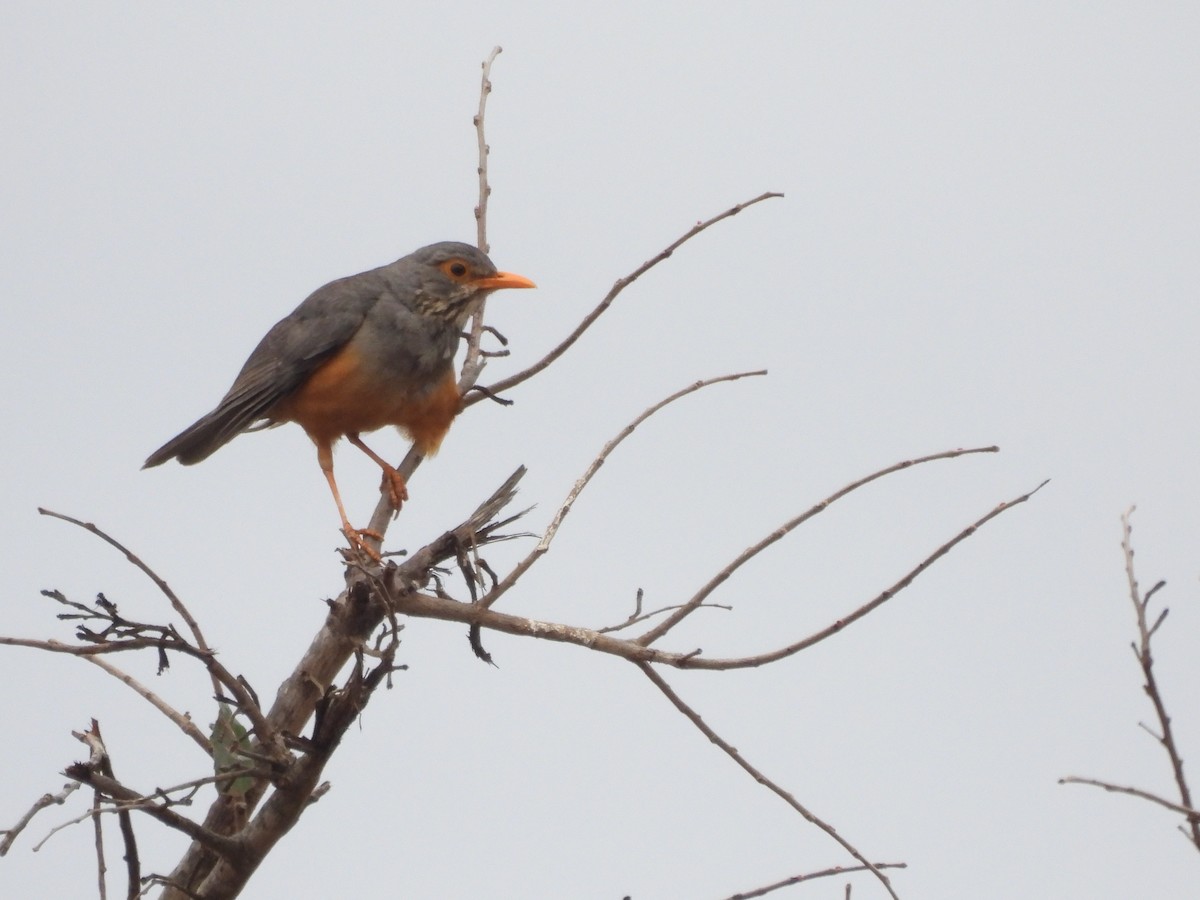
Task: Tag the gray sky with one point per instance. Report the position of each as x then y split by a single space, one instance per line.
988 236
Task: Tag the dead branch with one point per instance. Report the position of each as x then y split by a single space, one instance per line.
1133 792
565 507
352 619
44 801
618 286
749 553
219 675
162 585
1145 657
403 596
121 636
475 359
181 720
809 876
882 597
128 799
240 828
732 753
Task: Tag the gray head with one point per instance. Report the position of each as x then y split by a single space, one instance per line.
446 280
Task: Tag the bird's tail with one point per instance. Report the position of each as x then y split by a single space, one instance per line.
206 436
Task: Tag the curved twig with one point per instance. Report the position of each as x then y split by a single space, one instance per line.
182 722
404 599
746 555
1133 792
565 507
831 872
619 285
162 585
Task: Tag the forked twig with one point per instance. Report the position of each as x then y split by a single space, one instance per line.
162 585
782 531
1145 657
879 599
413 602
44 801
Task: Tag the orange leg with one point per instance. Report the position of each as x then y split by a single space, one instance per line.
355 536
393 481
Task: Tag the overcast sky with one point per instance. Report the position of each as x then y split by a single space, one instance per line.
989 236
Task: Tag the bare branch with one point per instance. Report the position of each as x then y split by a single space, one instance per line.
485 190
1146 661
749 553
1133 792
544 544
11 834
133 866
879 600
408 601
182 721
98 838
620 285
639 617
762 779
810 876
220 675
162 585
475 359
130 799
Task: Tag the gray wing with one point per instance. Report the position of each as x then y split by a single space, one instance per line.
281 362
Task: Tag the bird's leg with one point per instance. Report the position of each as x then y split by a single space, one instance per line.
393 481
356 536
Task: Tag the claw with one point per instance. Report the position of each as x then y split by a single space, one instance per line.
397 490
357 538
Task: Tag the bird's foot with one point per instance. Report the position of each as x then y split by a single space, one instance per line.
358 541
394 485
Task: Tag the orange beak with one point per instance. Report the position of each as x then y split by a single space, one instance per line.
503 280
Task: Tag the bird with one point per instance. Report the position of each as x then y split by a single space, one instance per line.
360 353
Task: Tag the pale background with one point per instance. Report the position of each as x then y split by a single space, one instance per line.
989 236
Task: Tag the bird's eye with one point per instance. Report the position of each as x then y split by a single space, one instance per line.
457 269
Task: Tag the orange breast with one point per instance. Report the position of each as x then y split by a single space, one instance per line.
345 397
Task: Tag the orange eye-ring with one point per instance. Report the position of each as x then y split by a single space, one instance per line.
455 269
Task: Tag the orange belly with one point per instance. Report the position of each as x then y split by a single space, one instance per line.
344 397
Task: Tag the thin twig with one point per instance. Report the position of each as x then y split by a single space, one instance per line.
762 779
485 190
474 360
1133 792
881 598
182 721
639 617
1146 660
414 603
810 876
220 674
619 285
98 840
162 585
1165 737
565 507
11 834
126 798
133 865
749 553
